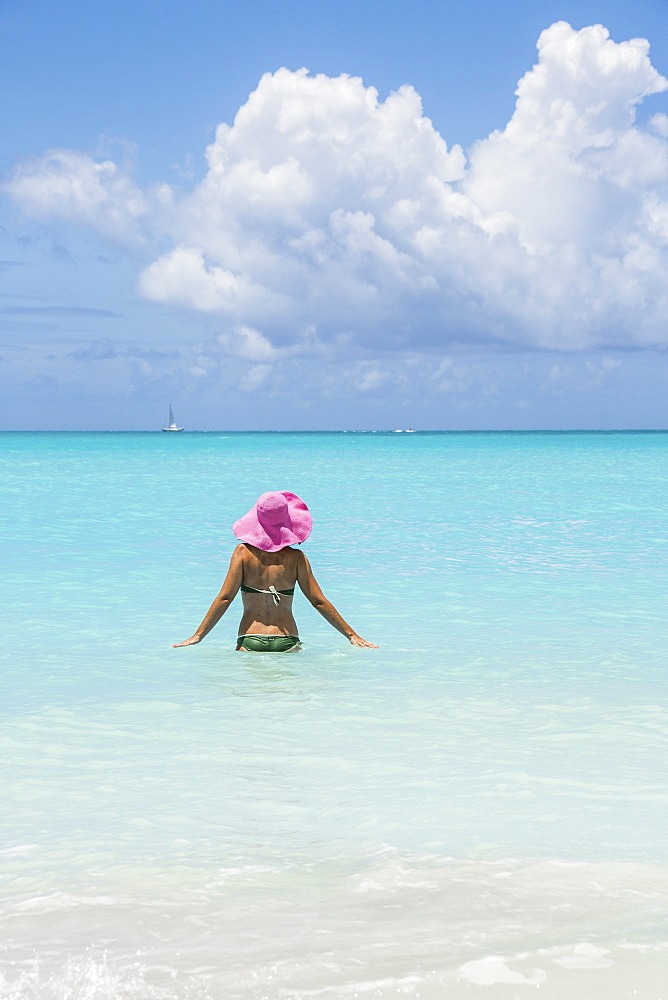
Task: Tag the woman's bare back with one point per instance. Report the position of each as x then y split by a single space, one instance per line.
262 571
269 613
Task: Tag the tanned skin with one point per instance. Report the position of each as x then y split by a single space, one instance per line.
261 570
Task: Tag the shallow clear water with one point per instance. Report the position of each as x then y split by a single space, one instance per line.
478 808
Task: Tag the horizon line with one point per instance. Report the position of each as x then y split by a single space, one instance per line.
376 430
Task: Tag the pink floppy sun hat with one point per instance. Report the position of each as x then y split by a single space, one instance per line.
278 519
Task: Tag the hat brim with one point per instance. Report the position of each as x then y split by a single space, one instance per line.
272 538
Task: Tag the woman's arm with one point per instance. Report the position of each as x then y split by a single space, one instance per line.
314 594
220 605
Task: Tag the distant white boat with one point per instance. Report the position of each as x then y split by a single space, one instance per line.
170 423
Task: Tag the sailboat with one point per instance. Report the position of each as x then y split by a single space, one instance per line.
170 423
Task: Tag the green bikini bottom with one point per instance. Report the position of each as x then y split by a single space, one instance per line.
268 643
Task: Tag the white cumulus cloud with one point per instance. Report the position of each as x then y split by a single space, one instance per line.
72 186
329 217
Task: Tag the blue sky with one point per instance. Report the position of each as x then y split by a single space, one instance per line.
396 238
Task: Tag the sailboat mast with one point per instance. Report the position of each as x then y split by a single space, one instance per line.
170 424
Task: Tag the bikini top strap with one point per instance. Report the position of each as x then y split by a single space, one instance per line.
275 596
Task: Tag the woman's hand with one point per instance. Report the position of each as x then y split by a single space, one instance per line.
192 641
357 640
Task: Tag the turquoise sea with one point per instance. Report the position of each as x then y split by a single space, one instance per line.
478 809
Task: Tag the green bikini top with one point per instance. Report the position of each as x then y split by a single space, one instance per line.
275 594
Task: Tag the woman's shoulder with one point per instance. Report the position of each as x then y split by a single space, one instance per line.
289 558
249 553
296 554
300 563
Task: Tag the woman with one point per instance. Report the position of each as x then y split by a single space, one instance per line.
266 569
